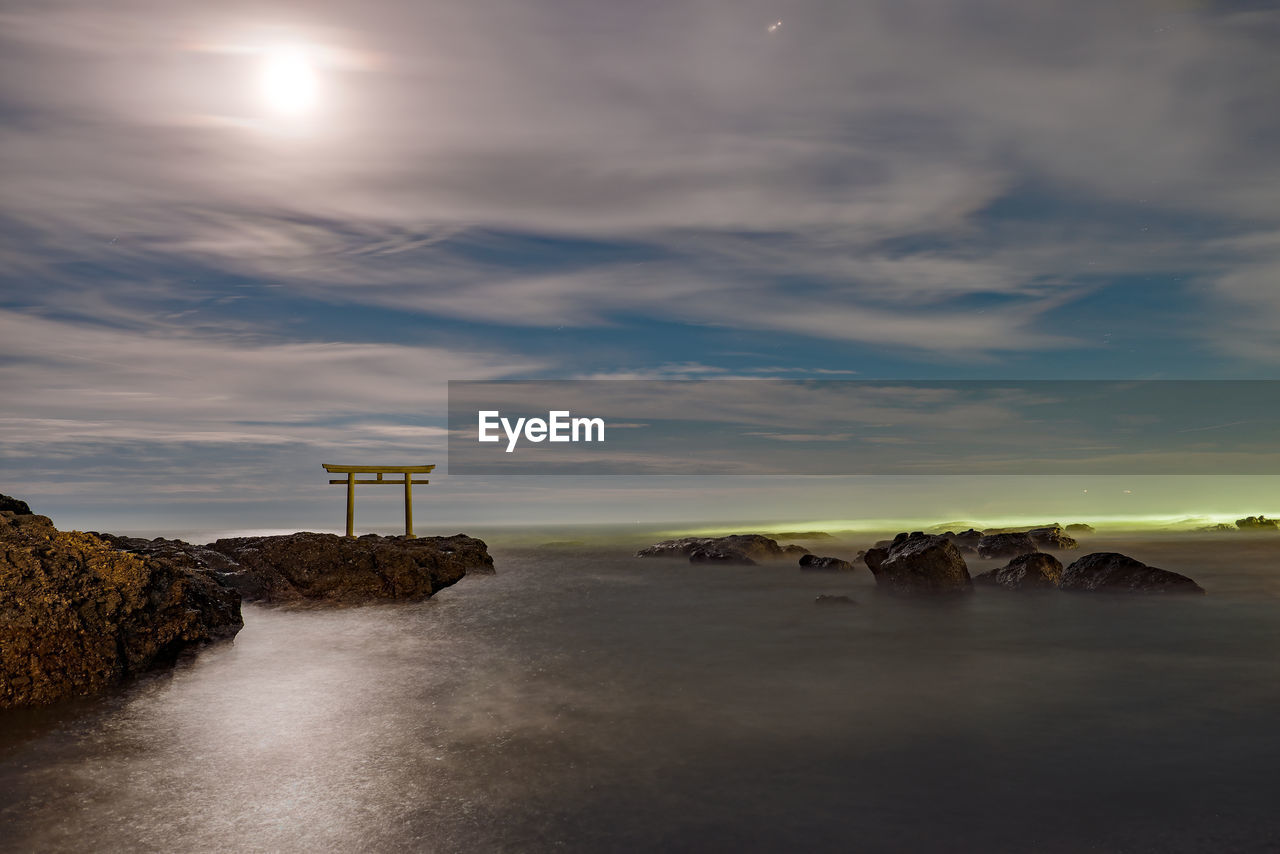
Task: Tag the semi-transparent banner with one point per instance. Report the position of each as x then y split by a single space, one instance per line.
828 427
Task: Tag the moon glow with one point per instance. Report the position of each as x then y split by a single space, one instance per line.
288 82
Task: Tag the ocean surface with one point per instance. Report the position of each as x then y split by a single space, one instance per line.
586 700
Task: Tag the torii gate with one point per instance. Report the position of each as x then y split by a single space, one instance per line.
350 481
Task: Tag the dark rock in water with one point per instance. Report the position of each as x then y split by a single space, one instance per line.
78 616
1036 570
792 550
1079 528
919 564
340 570
1220 528
1258 523
1110 572
729 557
1052 537
803 535
965 539
14 505
1005 545
826 563
828 599
754 547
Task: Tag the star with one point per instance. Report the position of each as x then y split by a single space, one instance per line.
775 26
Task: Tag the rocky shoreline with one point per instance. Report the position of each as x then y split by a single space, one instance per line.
81 612
921 564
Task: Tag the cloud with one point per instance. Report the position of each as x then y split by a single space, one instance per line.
854 150
74 383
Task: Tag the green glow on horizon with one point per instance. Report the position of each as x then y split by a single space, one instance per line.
1103 524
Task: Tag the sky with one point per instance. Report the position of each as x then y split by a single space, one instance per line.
243 239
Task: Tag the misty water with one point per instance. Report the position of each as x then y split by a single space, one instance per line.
585 700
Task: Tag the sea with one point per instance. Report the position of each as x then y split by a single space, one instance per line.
584 699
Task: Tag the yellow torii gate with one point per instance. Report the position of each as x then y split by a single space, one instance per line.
350 481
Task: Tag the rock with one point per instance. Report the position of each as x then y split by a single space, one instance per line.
919 564
731 558
753 547
834 564
803 535
965 539
14 506
1220 528
1005 545
1110 572
1052 537
1079 528
1036 570
793 550
340 570
78 616
1258 523
828 599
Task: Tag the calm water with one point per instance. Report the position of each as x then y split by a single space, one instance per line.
589 701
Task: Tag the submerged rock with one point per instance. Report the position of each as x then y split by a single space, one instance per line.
1036 570
919 563
340 570
830 599
833 564
1005 545
753 547
1111 572
1052 537
78 616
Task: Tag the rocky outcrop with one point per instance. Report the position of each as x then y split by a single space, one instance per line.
1034 571
803 535
1258 523
744 549
918 563
1005 545
830 564
307 567
78 616
727 557
13 505
341 570
1079 528
1052 537
1111 572
965 541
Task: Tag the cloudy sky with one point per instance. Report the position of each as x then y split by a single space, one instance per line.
242 239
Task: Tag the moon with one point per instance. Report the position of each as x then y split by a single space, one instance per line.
288 82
